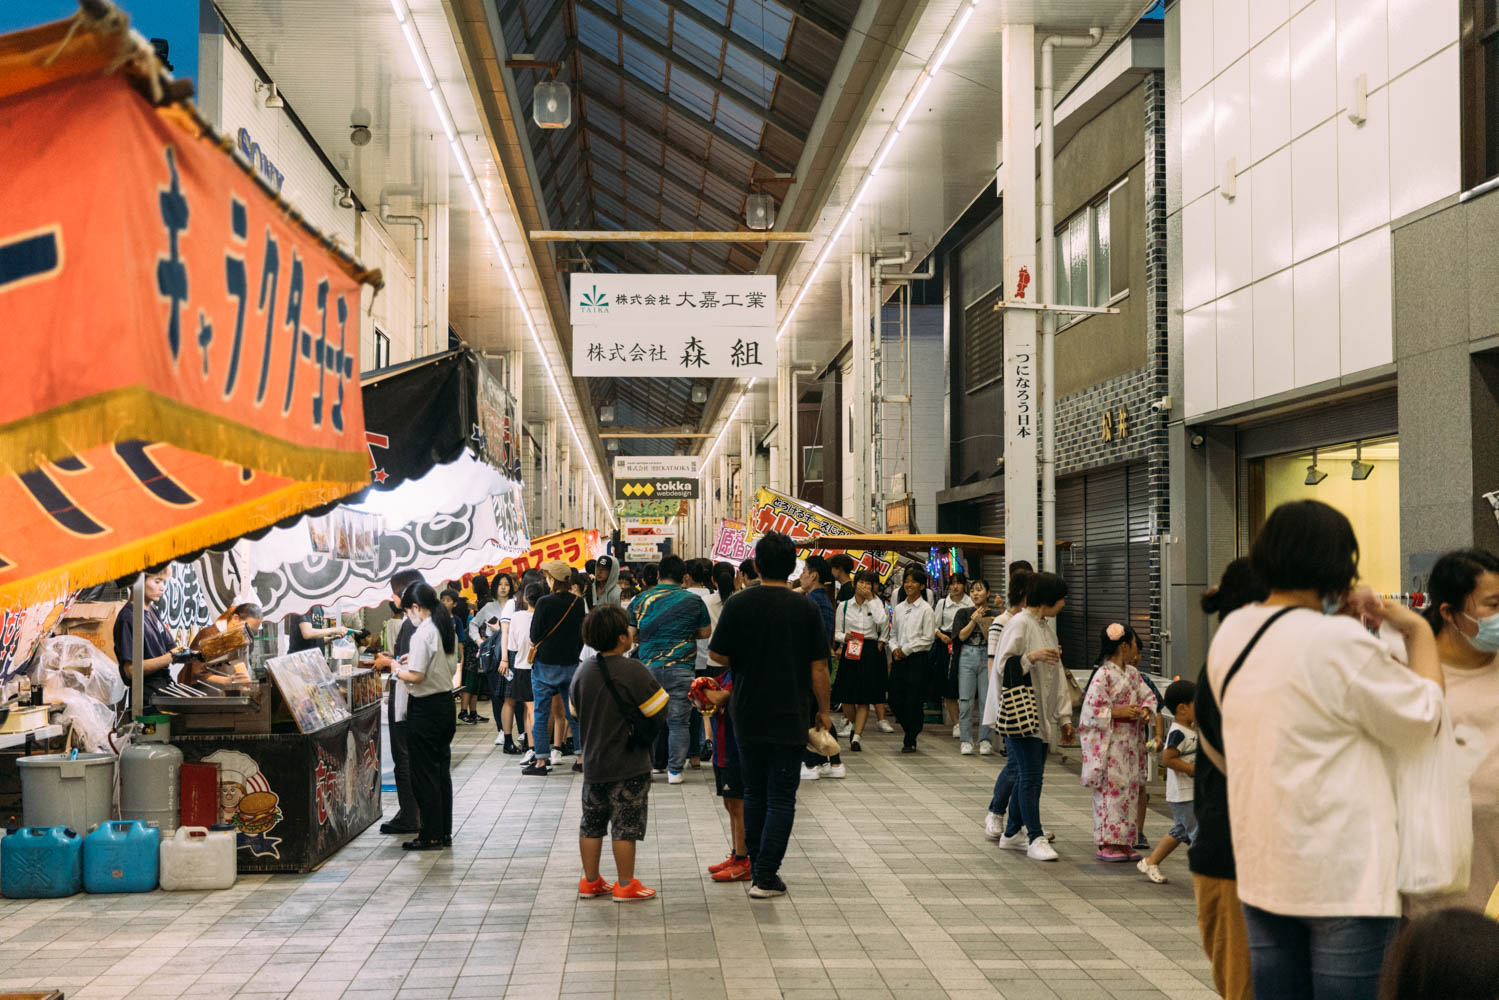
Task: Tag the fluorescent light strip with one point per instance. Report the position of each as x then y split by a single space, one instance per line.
913 99
465 166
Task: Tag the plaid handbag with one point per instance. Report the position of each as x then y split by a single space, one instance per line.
1018 714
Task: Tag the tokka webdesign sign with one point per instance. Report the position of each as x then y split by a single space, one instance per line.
653 489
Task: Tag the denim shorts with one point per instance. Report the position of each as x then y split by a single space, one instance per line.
1183 822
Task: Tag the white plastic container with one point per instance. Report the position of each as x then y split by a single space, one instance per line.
196 859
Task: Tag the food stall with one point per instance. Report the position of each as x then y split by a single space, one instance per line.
297 758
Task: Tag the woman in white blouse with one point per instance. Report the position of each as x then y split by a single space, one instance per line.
426 674
861 630
1311 717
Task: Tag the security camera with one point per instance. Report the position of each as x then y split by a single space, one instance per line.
1162 405
343 197
1198 441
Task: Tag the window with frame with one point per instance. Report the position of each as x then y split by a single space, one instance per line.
1085 253
812 464
1480 91
382 350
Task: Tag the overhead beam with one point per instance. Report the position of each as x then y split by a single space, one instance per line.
553 12
717 132
697 194
660 51
658 433
818 19
802 79
665 236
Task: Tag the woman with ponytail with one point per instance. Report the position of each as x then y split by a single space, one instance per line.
427 673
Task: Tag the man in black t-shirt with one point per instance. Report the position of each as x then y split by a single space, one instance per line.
842 567
780 674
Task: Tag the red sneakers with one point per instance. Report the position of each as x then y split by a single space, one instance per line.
739 871
588 890
726 862
628 891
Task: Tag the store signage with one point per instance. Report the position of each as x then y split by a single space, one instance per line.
730 544
643 554
775 511
650 508
1114 424
698 326
669 477
252 152
634 531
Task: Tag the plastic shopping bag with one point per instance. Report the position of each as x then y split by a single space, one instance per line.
1435 811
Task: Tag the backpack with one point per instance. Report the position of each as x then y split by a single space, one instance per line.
491 652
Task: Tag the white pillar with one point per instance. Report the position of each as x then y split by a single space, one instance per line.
1017 180
860 330
780 468
560 484
549 507
747 484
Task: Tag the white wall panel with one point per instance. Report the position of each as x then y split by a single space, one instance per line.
1199 173
1200 371
1314 291
1313 66
1236 348
391 310
1425 138
1270 215
1314 191
1267 15
1270 94
1196 45
1419 29
1199 281
1232 237
1364 278
1363 45
1274 342
1230 32
1231 119
1364 170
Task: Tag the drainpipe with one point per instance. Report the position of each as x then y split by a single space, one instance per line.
421 269
1049 291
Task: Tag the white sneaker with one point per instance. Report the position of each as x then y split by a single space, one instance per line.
848 729
994 825
556 756
1040 850
966 749
1150 871
673 777
499 740
957 733
885 726
985 748
810 773
526 758
834 771
1018 842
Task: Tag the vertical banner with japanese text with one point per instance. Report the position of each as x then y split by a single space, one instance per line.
688 326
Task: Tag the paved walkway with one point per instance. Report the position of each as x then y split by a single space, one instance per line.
894 893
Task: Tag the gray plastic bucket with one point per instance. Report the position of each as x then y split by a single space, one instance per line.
56 791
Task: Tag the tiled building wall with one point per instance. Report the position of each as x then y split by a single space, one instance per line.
1288 200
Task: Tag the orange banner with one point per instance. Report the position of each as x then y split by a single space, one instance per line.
180 352
574 547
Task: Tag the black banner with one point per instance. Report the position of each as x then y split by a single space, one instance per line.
418 416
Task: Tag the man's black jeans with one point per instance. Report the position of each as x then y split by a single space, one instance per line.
771 775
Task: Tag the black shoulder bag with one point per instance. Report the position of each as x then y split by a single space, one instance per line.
643 728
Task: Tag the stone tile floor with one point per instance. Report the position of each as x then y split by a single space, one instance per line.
895 892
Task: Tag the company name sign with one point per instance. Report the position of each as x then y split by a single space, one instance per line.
666 478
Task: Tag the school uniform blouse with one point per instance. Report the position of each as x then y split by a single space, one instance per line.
869 619
428 657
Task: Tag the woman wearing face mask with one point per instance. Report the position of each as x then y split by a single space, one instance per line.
1464 612
1308 726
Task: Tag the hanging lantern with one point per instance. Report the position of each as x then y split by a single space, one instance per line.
759 211
552 104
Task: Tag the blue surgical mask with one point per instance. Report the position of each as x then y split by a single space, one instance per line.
1487 639
1332 603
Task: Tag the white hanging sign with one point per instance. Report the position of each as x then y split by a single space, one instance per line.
688 326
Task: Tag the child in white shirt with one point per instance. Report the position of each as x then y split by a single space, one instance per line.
1180 760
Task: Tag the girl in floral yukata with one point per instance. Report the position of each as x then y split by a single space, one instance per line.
1115 720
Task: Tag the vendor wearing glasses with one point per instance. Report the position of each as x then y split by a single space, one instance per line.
160 650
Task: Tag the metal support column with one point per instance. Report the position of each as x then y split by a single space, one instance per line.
861 325
549 507
564 494
1017 182
746 468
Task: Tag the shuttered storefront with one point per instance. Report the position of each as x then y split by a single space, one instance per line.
992 525
1106 517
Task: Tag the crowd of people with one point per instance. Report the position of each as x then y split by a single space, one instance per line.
1280 760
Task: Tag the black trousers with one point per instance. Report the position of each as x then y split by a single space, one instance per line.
908 684
431 722
400 763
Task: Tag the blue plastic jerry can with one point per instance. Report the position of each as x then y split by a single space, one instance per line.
121 856
41 862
